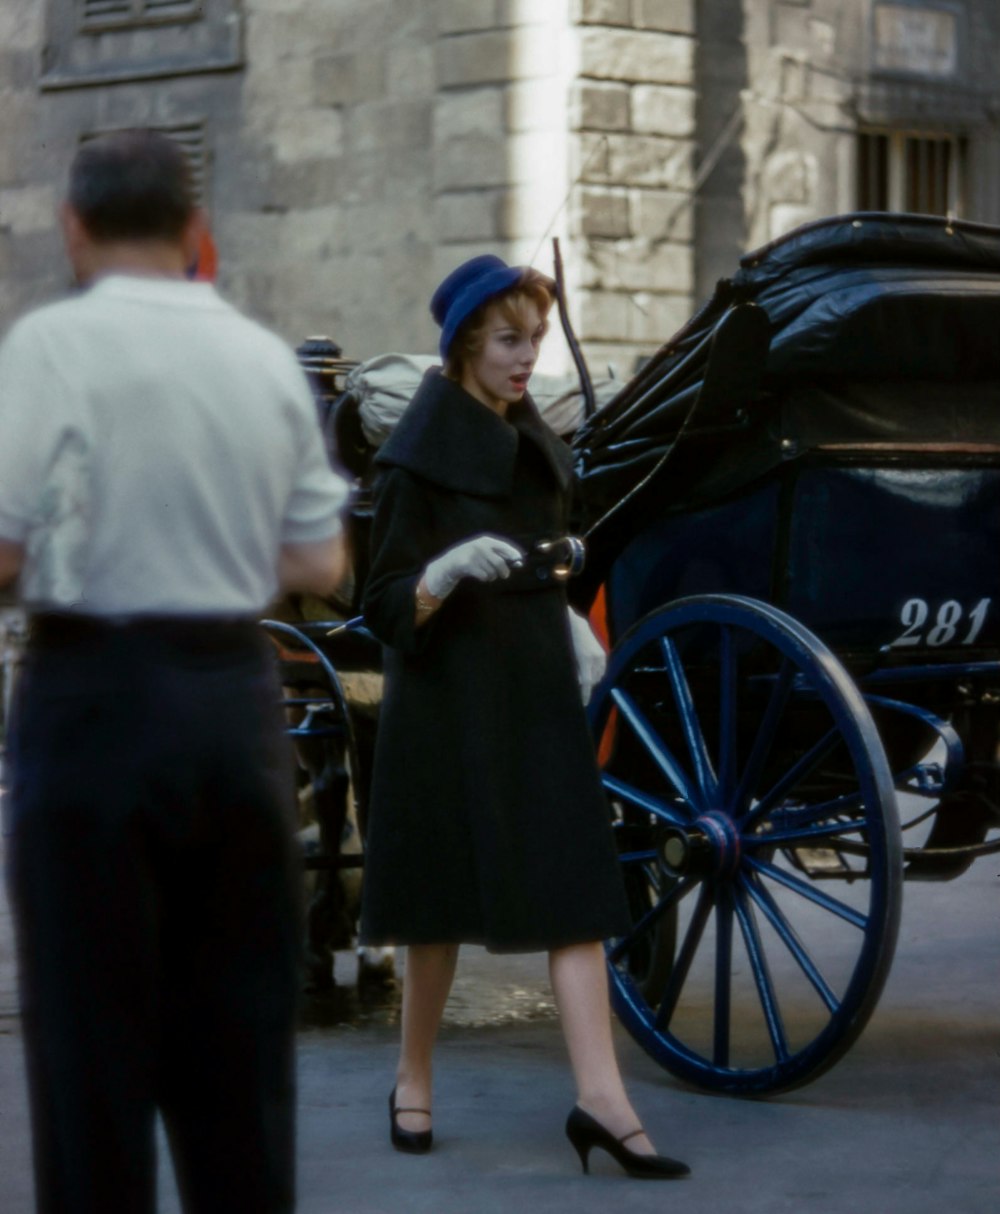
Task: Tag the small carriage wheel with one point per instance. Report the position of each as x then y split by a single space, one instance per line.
756 816
331 720
319 721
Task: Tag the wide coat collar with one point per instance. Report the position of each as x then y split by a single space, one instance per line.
453 440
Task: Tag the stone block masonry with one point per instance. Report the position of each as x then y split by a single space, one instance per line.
354 151
632 140
499 144
574 118
359 151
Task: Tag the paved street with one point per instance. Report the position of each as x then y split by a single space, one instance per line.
907 1122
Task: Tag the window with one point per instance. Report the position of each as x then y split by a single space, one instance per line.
99 42
96 15
920 172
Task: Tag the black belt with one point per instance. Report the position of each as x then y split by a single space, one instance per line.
190 633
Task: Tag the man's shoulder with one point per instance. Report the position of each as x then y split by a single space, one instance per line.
36 329
58 318
267 340
45 315
245 328
78 323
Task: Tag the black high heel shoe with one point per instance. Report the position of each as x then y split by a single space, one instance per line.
585 1132
413 1142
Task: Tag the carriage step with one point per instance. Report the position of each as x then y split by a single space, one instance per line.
820 861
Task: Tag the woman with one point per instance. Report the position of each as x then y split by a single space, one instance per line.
488 822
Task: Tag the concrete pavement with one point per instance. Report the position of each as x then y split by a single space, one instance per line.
907 1122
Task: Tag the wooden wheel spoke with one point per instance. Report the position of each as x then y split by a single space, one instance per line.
682 966
636 857
795 774
761 975
809 892
648 921
656 748
789 937
766 734
808 834
693 735
664 810
723 981
728 720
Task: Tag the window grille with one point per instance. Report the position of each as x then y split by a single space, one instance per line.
105 10
191 137
104 14
920 172
192 140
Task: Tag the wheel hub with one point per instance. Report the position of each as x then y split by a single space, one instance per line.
710 846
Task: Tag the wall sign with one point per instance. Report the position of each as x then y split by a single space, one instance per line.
919 40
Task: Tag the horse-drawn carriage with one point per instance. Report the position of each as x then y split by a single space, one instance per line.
792 515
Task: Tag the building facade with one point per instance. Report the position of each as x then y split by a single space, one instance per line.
349 153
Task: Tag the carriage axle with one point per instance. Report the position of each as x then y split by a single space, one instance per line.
709 847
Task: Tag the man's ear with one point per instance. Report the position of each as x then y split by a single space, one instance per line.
76 241
192 238
11 560
73 231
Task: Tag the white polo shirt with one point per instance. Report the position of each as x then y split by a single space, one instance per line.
156 449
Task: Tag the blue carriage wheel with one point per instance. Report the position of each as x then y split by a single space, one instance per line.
759 841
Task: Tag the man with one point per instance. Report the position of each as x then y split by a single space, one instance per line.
161 477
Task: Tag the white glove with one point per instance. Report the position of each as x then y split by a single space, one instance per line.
591 660
483 558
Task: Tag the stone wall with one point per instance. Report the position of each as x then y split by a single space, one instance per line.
499 135
803 58
722 74
381 144
30 266
354 155
324 195
354 152
632 145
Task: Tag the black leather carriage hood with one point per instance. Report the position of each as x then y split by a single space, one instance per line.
453 440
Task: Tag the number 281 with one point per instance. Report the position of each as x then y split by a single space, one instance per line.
947 624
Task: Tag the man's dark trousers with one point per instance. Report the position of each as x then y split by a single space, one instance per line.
154 884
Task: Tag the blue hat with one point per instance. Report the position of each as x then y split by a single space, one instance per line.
465 289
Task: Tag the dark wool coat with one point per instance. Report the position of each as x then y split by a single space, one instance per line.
487 822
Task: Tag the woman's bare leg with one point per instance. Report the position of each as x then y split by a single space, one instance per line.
427 979
580 984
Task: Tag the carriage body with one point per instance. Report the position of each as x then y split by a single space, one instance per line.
802 485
